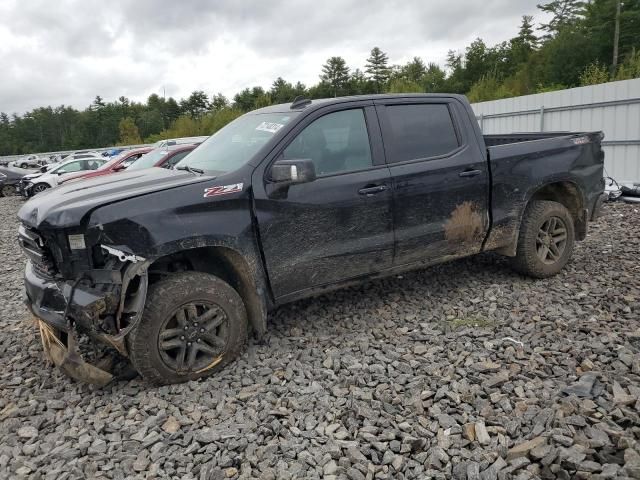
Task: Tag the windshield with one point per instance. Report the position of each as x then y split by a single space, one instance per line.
150 159
234 145
56 167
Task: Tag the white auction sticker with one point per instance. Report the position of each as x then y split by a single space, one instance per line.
270 127
76 242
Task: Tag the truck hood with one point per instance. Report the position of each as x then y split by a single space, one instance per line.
68 204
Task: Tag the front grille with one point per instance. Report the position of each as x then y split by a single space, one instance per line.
35 247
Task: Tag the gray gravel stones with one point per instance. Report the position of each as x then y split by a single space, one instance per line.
466 370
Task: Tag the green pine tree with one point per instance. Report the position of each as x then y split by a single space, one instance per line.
565 14
377 68
336 74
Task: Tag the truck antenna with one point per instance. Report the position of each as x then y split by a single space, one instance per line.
299 102
166 130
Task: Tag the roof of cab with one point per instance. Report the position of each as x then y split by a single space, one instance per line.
286 107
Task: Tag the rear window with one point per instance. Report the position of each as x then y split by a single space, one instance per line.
420 131
150 159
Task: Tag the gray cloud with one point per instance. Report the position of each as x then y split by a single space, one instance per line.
71 50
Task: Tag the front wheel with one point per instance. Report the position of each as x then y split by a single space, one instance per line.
546 240
8 191
193 324
24 165
39 187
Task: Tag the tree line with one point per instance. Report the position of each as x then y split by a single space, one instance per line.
583 43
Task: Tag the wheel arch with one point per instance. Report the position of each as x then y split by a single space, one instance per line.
42 182
567 192
229 265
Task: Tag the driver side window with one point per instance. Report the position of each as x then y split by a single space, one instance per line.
70 167
337 142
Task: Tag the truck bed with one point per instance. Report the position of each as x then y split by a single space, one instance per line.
573 160
503 139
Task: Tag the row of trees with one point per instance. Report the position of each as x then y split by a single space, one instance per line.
583 43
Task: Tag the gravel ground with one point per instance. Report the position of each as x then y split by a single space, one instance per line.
466 370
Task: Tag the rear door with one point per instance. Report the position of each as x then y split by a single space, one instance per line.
440 179
339 226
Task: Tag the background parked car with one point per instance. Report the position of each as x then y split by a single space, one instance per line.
51 178
179 141
31 161
165 157
82 155
10 179
116 164
27 179
112 152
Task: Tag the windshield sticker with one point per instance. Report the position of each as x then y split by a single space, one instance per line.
269 127
222 190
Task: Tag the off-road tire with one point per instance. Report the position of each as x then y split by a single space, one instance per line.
163 298
527 259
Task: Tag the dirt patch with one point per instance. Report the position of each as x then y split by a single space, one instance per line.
465 224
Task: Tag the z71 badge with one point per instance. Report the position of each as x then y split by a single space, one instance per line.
222 190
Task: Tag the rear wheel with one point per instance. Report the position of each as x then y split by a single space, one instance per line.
24 165
193 324
546 239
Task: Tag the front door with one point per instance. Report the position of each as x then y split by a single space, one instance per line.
440 180
339 226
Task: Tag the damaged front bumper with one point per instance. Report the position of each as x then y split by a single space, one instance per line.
66 356
103 304
48 299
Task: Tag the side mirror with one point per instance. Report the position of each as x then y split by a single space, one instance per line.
293 171
119 168
43 169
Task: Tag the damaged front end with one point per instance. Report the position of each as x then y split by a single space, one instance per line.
75 288
67 357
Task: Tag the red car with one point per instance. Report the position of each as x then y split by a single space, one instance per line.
116 164
165 157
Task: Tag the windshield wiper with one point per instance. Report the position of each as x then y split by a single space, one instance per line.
190 169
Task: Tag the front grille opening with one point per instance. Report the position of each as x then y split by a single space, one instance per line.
36 249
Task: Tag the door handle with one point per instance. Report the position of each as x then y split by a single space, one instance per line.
470 173
372 189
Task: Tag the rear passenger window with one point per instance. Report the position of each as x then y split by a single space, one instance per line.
420 131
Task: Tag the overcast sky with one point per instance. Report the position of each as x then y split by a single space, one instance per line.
69 51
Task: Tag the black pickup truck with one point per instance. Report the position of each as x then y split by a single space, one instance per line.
174 268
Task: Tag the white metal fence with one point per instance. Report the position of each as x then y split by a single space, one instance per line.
611 107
